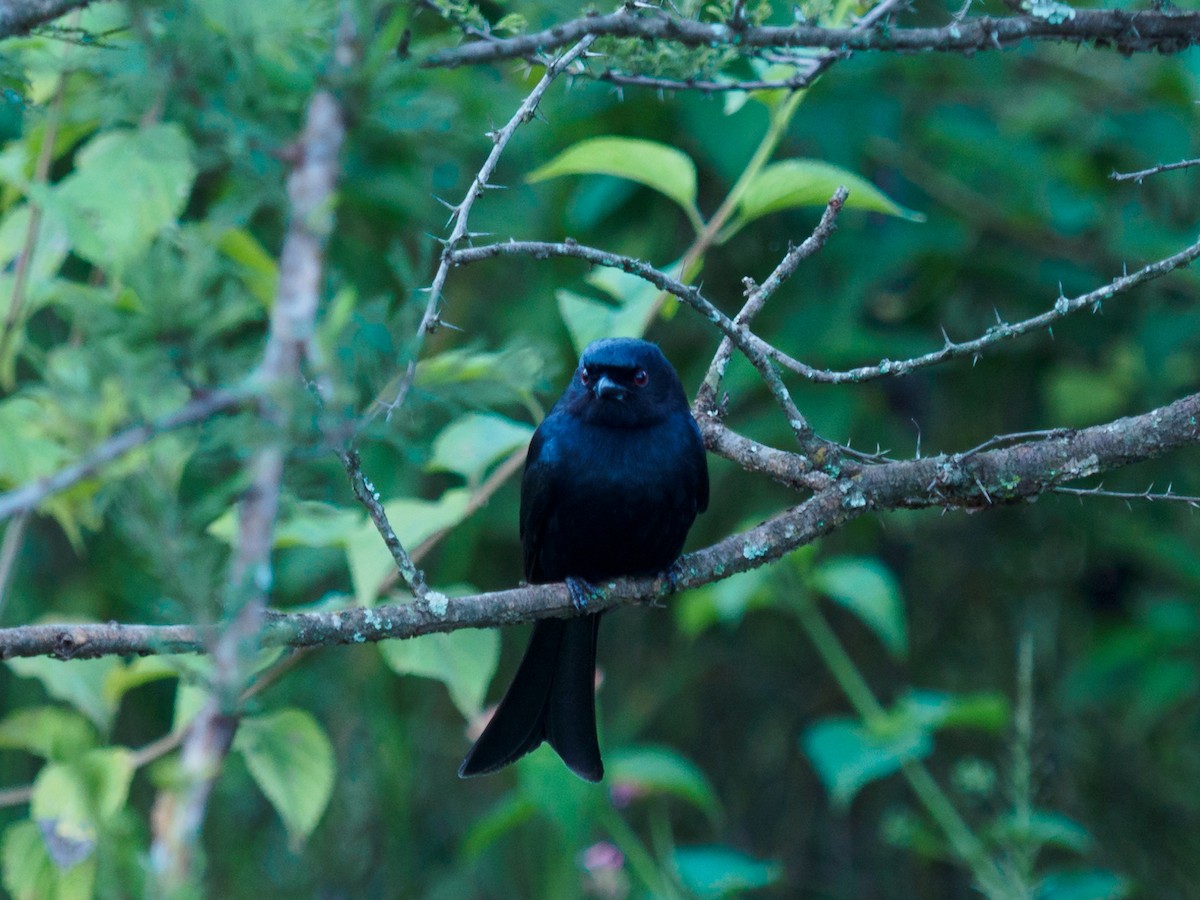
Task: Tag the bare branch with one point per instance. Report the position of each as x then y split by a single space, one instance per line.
1148 495
958 481
807 68
756 299
1002 331
1164 31
1154 170
366 494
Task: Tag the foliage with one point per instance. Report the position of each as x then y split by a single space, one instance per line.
762 735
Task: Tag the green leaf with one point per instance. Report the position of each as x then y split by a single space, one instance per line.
311 523
127 187
50 247
88 790
588 319
47 731
665 169
71 801
930 710
633 307
866 588
469 445
413 520
259 269
291 760
570 803
487 379
1094 884
306 523
1042 828
464 661
26 452
810 182
136 673
31 874
512 810
712 872
847 755
661 770
190 698
726 601
81 682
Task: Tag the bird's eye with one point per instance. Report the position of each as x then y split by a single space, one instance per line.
584 375
641 378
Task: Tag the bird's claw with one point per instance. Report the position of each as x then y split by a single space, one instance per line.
582 592
673 575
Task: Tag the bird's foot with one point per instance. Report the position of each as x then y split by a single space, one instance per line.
673 575
582 592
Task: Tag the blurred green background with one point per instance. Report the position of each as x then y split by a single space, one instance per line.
163 211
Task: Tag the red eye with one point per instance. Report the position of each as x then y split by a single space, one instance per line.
584 376
641 378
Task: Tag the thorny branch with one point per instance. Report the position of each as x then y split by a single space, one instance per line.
431 318
974 480
1127 31
757 296
1154 170
806 66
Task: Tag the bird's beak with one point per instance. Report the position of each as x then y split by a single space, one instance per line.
607 389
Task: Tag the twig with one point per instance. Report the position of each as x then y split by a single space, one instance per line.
1001 331
1154 170
430 319
753 347
1148 495
366 494
756 299
199 409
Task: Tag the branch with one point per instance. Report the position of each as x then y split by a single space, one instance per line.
973 480
1001 331
198 409
430 319
754 348
807 68
1154 170
757 296
1126 31
20 16
179 812
366 494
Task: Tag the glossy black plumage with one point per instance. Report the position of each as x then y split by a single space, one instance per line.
615 476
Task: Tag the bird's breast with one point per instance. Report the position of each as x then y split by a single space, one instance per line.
625 502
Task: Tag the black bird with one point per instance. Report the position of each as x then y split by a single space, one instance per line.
615 476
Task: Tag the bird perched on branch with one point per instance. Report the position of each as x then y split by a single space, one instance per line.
615 476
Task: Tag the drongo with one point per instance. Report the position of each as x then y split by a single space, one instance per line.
614 478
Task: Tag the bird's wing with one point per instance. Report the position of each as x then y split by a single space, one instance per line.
538 498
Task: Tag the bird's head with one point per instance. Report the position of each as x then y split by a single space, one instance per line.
623 382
